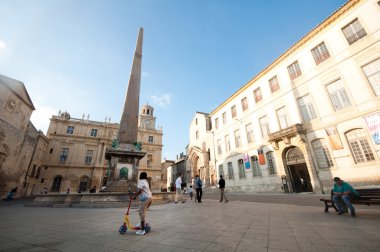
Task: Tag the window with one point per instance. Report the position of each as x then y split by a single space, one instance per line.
216 123
264 124
56 186
84 184
359 146
233 111
353 31
221 170
294 70
63 155
219 144
224 118
38 172
338 95
196 121
88 158
149 160
33 171
322 154
307 108
230 171
237 138
241 168
51 150
282 117
227 142
372 71
70 130
197 135
249 130
256 171
94 132
320 53
151 139
257 95
244 103
273 84
271 163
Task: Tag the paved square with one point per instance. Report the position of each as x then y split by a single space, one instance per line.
210 226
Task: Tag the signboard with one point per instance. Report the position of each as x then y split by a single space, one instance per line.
373 124
247 164
334 139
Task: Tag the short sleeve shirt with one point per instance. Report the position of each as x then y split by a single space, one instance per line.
178 183
144 186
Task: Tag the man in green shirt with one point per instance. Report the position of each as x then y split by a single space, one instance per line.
342 191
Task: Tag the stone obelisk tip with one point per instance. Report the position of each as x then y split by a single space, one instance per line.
129 121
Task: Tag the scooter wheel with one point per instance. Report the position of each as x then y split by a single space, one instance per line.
147 227
122 229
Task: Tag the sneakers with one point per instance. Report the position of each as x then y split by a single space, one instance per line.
183 201
141 232
226 201
353 214
340 213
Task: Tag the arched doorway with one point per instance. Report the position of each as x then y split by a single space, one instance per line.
297 170
56 186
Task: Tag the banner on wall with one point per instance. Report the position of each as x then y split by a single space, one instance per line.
247 164
373 124
260 153
334 139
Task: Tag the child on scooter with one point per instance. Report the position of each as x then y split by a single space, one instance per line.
145 199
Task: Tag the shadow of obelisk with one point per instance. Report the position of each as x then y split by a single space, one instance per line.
124 155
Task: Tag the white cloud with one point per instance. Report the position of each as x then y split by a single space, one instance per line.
144 74
40 117
162 101
3 46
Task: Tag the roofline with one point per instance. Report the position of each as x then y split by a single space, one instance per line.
336 14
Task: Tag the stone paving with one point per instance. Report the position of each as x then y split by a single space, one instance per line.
210 226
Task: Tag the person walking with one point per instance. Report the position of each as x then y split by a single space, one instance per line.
222 185
343 191
178 188
198 188
145 200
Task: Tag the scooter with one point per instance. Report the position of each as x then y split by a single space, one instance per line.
127 225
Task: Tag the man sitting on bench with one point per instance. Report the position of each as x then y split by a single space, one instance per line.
342 192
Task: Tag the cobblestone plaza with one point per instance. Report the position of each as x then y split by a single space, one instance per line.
211 226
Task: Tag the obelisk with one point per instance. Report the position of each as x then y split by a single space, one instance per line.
126 152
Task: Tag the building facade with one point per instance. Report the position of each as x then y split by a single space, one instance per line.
75 157
311 115
151 139
20 142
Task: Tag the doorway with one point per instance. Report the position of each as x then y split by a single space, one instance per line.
297 170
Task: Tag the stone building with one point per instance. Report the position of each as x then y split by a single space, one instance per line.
309 116
165 164
75 157
19 139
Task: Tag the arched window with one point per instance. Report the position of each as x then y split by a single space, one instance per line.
322 154
241 168
256 171
360 149
84 184
230 171
221 171
271 163
56 186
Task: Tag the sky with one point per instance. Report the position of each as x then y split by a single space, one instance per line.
76 55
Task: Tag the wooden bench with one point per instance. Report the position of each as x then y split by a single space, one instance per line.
367 197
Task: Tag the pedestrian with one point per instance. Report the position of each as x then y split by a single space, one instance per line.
11 193
343 191
68 191
93 190
198 188
145 200
44 191
222 185
178 190
191 192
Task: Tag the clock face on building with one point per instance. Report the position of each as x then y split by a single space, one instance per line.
147 123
